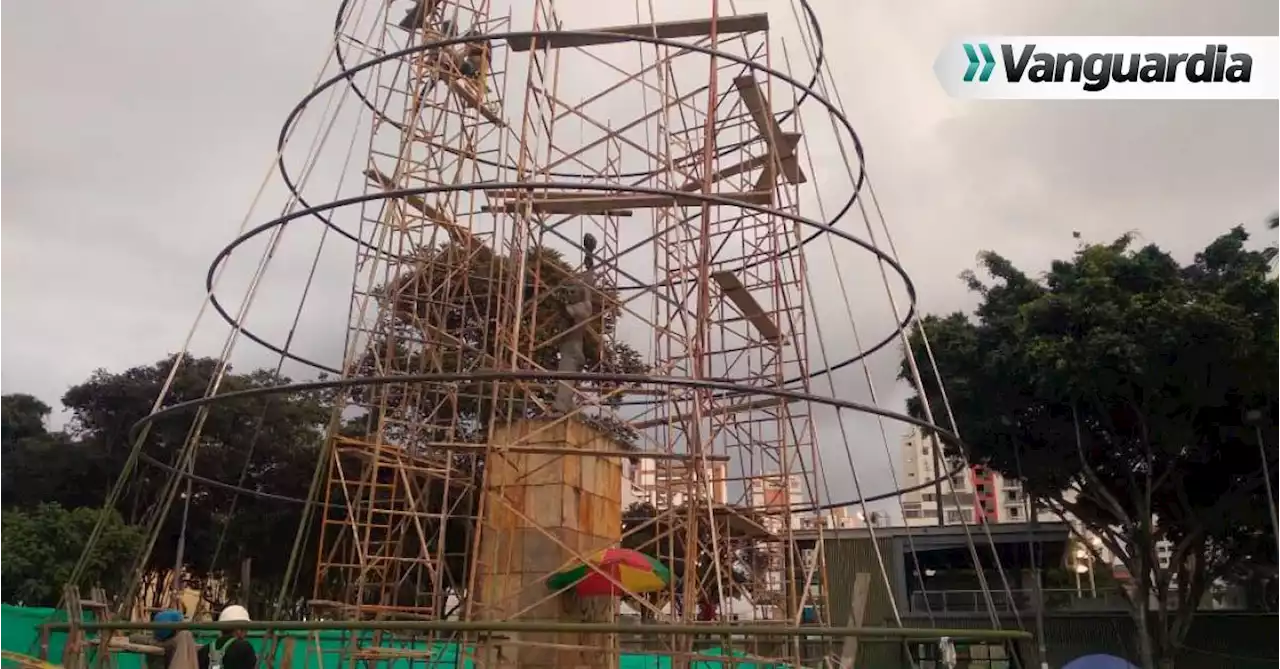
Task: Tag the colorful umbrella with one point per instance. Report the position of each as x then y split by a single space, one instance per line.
636 572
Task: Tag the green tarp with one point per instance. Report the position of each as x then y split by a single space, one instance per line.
20 633
20 629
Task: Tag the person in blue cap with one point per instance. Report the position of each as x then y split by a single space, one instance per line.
179 646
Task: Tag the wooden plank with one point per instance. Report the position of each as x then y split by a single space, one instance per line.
758 106
744 23
789 138
857 615
457 233
789 165
602 204
286 656
472 98
765 403
73 648
738 294
545 195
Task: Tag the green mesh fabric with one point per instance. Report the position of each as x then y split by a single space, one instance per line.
20 630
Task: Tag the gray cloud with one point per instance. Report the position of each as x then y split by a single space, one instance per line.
136 134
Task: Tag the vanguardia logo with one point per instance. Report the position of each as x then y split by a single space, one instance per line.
988 62
1097 71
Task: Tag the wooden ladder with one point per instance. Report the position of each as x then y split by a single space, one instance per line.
75 653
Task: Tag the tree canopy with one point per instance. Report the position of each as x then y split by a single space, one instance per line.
456 329
42 466
269 445
43 543
1122 388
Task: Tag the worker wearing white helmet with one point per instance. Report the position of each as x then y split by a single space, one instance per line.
231 650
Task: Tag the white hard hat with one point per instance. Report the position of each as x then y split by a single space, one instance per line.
234 613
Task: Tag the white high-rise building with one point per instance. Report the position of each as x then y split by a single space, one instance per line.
843 518
776 495
979 491
968 496
664 483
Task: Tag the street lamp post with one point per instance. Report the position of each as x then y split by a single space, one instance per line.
1084 565
1254 417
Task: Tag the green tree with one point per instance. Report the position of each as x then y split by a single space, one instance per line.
266 444
22 417
40 466
41 546
447 321
1117 387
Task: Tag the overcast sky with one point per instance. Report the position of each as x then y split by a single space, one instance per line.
136 134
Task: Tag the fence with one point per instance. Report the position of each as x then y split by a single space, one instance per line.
975 601
327 644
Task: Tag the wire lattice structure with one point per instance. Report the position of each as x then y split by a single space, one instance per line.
580 319
456 282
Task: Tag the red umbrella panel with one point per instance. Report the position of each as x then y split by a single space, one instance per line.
635 571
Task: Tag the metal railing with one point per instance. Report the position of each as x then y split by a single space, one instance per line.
974 601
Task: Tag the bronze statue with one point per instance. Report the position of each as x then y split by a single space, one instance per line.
578 305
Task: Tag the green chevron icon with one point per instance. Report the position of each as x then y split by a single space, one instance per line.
988 62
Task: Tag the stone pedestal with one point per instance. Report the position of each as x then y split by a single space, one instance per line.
542 510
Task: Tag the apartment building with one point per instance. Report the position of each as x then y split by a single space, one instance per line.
666 483
842 518
981 493
969 496
777 492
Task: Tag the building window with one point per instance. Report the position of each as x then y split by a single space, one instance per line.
912 513
953 517
928 496
1011 495
925 450
1014 512
980 488
968 656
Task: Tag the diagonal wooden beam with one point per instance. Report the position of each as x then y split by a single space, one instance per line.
472 97
791 138
457 233
758 107
738 294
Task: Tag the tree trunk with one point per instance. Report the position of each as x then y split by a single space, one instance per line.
1159 636
1146 653
1162 643
1141 605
